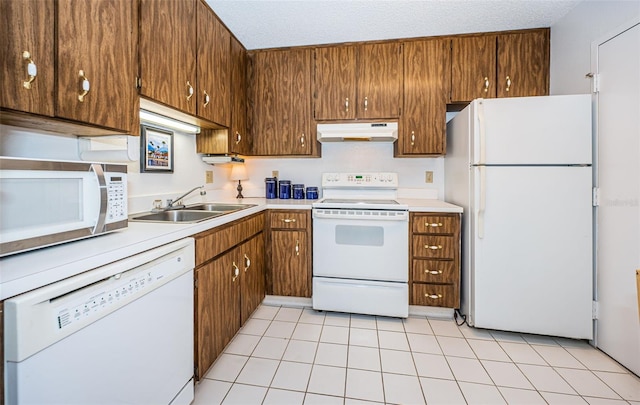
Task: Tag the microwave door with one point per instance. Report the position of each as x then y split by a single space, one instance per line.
51 205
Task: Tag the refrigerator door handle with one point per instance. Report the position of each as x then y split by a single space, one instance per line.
482 201
482 133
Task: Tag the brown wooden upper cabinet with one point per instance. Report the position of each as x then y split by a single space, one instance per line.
91 78
523 64
167 47
500 65
279 102
427 80
358 81
239 140
213 73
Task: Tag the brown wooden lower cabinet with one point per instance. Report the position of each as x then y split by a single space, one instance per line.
289 253
229 285
1 352
434 254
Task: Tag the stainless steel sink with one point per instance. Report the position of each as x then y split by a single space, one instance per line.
219 207
180 216
191 213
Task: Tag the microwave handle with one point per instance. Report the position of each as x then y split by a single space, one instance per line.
102 184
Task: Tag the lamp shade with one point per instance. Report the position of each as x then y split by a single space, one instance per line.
238 172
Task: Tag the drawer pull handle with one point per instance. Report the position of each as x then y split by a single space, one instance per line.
236 272
433 247
434 224
297 248
85 86
413 138
207 99
486 84
189 91
247 262
434 272
433 296
32 70
289 220
346 104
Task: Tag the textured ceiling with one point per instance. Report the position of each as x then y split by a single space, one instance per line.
279 23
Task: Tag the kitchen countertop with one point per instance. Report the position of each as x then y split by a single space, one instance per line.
27 271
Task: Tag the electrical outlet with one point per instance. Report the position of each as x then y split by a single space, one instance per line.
275 173
428 176
208 178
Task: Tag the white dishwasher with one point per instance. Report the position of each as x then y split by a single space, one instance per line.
118 334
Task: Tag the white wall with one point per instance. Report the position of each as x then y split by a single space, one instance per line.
571 39
189 170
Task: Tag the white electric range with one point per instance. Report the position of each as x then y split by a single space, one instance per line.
360 245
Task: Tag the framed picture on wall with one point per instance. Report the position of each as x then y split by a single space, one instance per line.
156 150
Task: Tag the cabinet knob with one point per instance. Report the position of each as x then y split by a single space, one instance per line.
85 86
32 70
366 103
247 262
238 137
433 272
346 104
297 248
433 247
433 224
413 138
508 83
486 84
433 296
207 99
189 91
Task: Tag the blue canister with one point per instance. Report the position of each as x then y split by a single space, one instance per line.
285 189
312 193
270 188
298 191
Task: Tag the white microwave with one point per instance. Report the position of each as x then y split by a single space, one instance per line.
46 202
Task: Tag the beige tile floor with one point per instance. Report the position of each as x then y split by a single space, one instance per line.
299 356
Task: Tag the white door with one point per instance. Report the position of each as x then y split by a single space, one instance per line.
532 250
618 177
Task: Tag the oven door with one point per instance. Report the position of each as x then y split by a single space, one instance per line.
361 244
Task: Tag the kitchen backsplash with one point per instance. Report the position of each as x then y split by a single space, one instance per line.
189 170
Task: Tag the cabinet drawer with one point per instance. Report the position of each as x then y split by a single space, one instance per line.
432 224
210 244
434 271
439 247
288 219
434 295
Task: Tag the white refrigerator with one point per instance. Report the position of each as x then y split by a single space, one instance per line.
521 168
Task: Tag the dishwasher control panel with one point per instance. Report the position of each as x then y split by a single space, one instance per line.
111 293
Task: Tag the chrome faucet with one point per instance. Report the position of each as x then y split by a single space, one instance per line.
176 203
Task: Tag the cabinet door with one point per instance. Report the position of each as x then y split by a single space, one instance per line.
379 80
280 102
473 68
96 76
427 82
213 58
335 83
289 263
217 308
27 28
239 141
253 277
523 64
167 49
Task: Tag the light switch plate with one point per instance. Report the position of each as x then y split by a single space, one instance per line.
208 178
275 173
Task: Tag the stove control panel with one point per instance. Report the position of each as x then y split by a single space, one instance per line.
355 179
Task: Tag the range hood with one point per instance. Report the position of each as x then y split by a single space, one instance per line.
221 159
346 132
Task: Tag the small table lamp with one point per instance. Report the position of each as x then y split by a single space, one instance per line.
239 173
